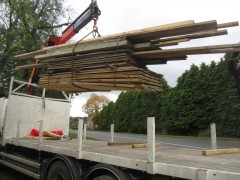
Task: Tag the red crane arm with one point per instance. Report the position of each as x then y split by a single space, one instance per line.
91 13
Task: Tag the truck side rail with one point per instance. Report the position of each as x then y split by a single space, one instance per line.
21 84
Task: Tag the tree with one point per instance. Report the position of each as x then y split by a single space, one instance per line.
200 98
129 113
105 119
24 26
94 105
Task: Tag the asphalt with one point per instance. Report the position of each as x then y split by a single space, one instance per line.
195 143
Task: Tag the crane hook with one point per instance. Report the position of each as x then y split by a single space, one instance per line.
95 28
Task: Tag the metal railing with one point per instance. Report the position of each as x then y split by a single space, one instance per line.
22 84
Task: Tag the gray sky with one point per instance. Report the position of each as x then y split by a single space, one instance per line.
125 15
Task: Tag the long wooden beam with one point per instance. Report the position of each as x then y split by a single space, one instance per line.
229 24
193 36
134 32
30 55
220 151
184 51
142 35
143 145
109 45
167 43
106 38
176 31
122 143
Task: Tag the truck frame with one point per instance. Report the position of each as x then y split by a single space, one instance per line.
93 160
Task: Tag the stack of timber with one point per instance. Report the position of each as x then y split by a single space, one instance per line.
119 61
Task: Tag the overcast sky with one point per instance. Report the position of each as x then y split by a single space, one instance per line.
124 15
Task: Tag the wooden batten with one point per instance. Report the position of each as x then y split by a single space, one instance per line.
119 61
227 25
30 55
205 34
172 42
87 48
141 145
145 46
122 143
181 30
183 51
220 151
225 50
117 37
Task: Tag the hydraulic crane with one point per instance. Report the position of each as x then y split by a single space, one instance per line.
92 12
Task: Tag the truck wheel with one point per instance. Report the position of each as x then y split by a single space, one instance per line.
105 177
60 168
59 171
106 172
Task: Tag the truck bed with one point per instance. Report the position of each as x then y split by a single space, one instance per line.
178 162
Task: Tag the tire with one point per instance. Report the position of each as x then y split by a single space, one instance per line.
59 171
105 177
106 172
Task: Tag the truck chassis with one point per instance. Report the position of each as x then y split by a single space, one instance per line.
87 159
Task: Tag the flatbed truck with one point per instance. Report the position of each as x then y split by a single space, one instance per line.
78 159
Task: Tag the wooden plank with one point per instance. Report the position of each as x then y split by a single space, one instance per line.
30 66
175 31
179 28
134 32
112 44
208 34
141 145
183 51
89 87
193 36
169 43
105 38
227 25
145 46
30 55
162 60
110 74
121 143
225 50
114 63
88 55
63 62
49 134
220 151
107 82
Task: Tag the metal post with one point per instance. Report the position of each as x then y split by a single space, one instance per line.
18 132
43 98
19 87
112 133
85 131
80 128
10 87
151 138
70 97
64 94
40 134
44 92
213 136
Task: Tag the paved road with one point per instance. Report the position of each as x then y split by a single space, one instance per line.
169 141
